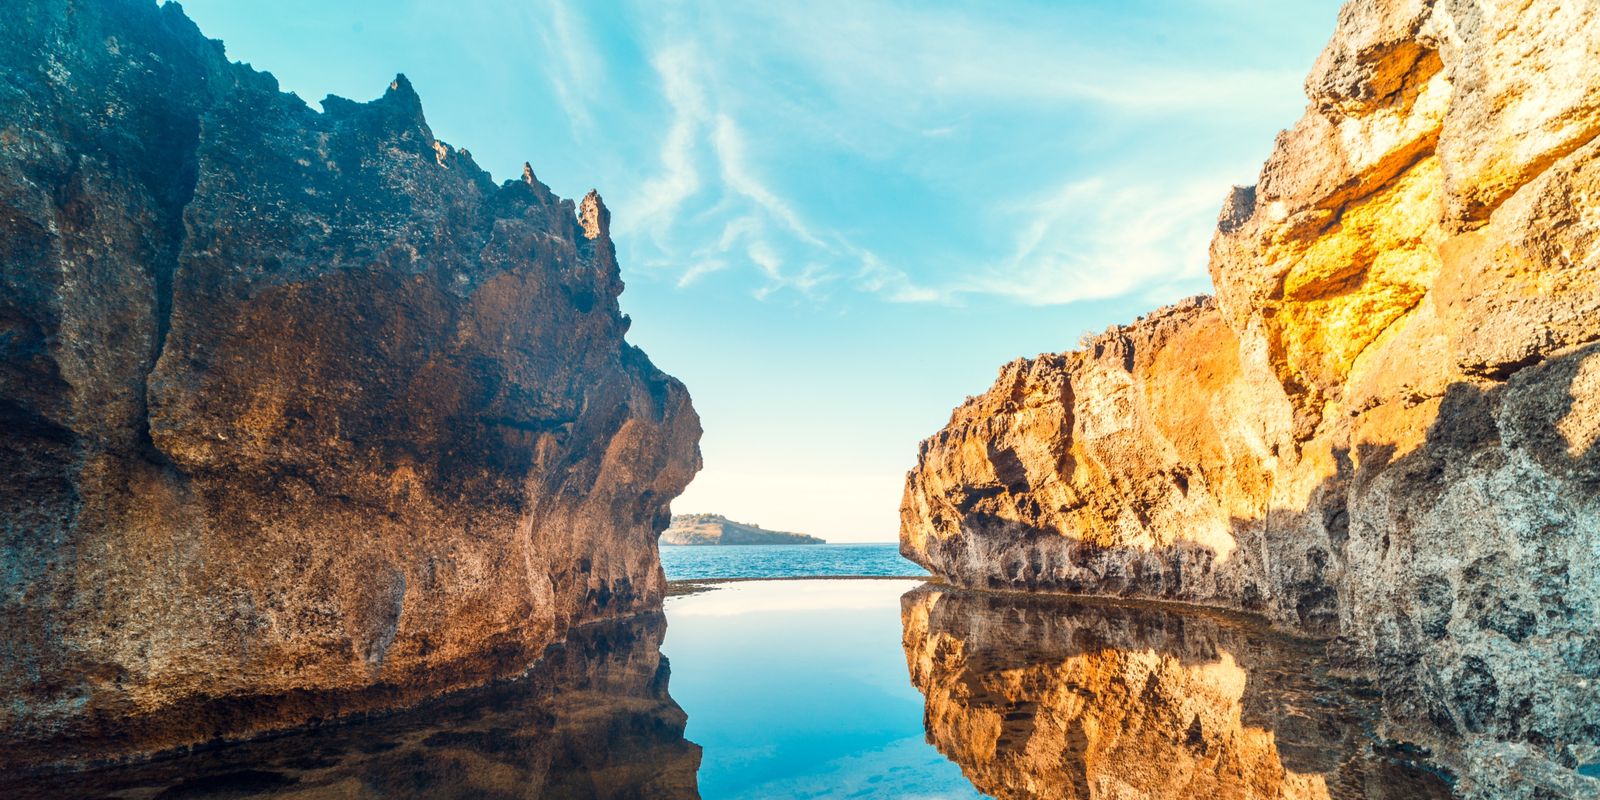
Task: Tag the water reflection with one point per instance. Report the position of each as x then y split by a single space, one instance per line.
593 720
797 689
1058 698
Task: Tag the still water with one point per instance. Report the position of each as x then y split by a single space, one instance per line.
799 689
897 689
690 562
855 689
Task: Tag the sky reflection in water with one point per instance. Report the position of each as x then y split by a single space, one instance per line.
799 689
823 688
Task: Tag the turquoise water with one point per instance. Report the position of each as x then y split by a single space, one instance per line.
798 689
683 562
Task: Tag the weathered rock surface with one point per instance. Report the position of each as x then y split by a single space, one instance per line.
303 414
1383 429
1062 698
715 529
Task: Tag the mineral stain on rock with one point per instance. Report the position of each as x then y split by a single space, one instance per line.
1382 430
303 414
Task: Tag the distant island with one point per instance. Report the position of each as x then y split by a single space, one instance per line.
715 529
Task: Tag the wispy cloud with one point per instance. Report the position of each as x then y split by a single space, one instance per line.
893 284
1095 239
748 88
699 270
576 74
742 179
1090 239
704 154
893 57
661 197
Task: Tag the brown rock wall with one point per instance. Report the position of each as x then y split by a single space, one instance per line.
303 413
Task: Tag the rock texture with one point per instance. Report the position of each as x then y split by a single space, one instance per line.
1383 429
592 720
715 529
302 413
1070 699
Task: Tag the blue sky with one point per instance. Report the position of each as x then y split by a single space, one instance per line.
838 218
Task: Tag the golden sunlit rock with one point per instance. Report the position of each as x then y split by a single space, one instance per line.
1380 429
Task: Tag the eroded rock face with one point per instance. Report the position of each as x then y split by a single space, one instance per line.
1116 469
1383 429
303 414
1072 699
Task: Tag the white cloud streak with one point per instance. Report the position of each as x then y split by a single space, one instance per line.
764 226
742 179
662 197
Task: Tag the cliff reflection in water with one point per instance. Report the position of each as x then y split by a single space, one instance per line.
1058 698
592 720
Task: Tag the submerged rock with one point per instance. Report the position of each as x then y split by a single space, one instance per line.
303 414
1383 429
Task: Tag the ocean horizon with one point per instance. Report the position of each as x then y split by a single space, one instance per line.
832 560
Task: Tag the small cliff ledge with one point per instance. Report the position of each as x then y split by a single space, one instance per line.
303 414
715 529
1384 427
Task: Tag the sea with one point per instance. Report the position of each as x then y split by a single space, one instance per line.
700 562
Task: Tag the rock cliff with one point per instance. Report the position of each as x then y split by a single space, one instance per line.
1383 428
303 414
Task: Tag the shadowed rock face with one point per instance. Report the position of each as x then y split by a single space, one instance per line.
1384 427
302 414
592 720
1067 699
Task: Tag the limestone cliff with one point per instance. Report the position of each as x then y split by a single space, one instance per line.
1383 429
303 414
